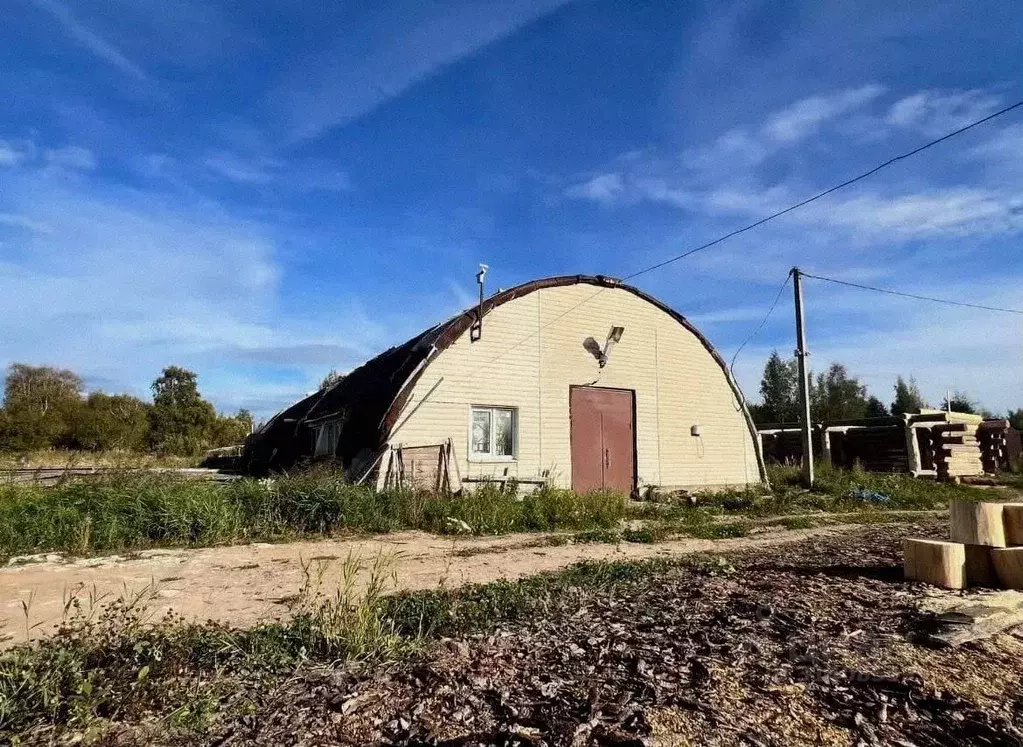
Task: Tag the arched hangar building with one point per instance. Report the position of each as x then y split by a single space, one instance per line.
579 381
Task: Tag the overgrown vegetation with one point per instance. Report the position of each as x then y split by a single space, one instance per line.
103 458
839 496
138 510
835 491
838 490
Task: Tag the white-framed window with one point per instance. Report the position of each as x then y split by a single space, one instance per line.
492 433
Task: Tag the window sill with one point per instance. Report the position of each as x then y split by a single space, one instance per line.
485 459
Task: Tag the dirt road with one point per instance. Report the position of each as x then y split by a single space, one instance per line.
243 583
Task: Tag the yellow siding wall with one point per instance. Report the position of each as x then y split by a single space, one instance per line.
532 351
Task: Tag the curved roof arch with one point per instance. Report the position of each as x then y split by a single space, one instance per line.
370 398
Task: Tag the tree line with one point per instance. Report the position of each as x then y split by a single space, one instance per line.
837 395
45 407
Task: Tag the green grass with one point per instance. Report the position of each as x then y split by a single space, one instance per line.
1014 478
835 491
476 607
139 510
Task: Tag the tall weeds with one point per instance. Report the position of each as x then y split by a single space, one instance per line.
140 510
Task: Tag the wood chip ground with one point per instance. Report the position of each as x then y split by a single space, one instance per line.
811 644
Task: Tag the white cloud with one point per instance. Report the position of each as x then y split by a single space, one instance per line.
940 212
71 157
603 188
943 212
20 221
648 176
246 171
881 337
805 117
744 148
88 39
26 153
939 112
123 283
15 152
394 48
721 180
729 315
309 175
735 146
116 283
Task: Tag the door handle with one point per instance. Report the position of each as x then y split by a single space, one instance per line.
607 458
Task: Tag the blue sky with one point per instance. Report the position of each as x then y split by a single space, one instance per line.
264 191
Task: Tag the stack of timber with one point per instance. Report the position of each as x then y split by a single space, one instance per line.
986 549
957 450
999 445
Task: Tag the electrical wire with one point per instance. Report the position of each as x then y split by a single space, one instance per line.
826 192
760 222
912 295
755 332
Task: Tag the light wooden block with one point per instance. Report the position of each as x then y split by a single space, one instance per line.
980 567
1013 514
1009 566
976 523
935 562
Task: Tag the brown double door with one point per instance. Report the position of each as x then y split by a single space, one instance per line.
603 439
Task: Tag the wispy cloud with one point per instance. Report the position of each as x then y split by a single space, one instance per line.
245 171
20 221
394 49
25 153
938 112
15 152
71 157
785 128
726 178
308 175
122 282
603 188
320 354
805 117
89 39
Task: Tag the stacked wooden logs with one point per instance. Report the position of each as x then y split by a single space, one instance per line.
986 549
957 451
999 445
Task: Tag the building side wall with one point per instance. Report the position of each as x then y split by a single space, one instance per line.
532 352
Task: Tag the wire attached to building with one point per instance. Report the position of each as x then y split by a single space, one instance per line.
916 296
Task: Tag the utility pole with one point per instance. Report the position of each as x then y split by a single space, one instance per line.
804 379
